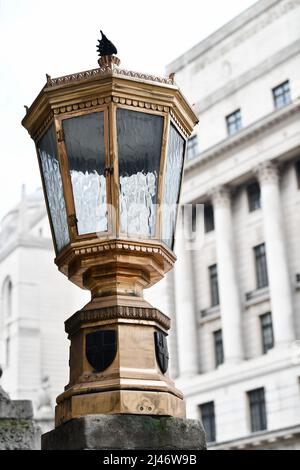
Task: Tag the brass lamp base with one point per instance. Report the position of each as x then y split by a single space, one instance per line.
119 402
118 358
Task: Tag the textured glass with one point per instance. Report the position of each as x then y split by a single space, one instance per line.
173 174
53 184
139 148
84 139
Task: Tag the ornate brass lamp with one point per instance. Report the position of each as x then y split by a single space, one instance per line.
110 146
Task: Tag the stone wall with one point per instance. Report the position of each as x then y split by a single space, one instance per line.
17 428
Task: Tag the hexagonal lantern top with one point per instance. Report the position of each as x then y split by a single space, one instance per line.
111 146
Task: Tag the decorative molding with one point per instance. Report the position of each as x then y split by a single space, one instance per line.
82 105
115 313
140 104
178 123
267 173
209 314
260 440
221 196
108 99
106 71
40 131
114 245
257 296
144 76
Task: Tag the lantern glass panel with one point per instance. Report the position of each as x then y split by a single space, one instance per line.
84 140
139 150
47 151
172 182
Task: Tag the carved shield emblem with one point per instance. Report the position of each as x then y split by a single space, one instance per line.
101 348
161 350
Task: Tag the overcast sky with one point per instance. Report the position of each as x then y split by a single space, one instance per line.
59 37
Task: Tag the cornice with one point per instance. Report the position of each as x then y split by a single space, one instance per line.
26 242
247 78
259 438
106 72
235 32
245 135
261 366
74 94
115 313
96 246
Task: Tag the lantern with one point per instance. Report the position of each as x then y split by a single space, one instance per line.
111 146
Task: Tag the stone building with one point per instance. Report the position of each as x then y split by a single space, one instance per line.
35 299
234 296
237 294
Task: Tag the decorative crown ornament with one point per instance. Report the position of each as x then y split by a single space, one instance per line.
106 51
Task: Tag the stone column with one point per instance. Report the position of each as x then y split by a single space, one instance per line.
186 324
228 287
278 273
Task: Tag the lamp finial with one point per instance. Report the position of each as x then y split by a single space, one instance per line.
105 46
106 51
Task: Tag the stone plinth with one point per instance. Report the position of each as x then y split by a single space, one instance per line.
115 432
17 428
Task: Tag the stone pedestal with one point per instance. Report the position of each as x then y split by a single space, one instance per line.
120 432
17 428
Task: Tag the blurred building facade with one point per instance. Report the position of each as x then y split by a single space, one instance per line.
235 299
35 299
237 295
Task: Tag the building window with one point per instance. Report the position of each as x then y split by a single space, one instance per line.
218 343
282 94
253 191
192 147
297 167
209 222
207 411
194 217
267 332
261 266
7 351
257 407
7 297
214 288
234 122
